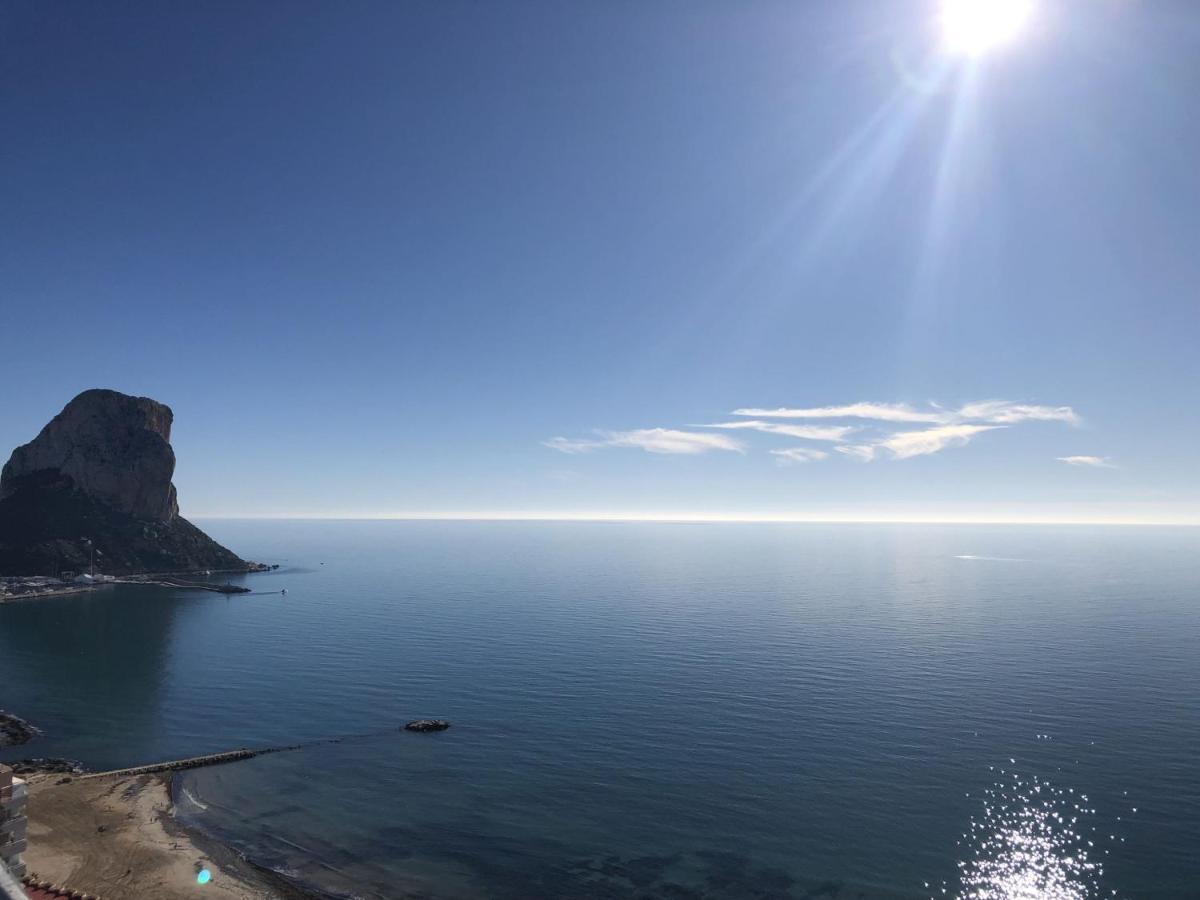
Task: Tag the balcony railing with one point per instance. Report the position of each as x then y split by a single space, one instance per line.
10 888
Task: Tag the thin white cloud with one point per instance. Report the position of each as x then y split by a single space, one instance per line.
907 444
652 440
808 432
1004 412
996 412
1095 462
668 440
571 445
792 455
861 452
883 412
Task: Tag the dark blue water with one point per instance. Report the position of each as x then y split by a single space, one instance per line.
651 710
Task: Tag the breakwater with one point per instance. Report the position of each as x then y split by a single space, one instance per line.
228 756
188 585
195 762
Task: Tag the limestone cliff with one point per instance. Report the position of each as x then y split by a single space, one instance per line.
100 470
114 447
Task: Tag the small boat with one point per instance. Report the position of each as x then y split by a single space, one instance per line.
284 591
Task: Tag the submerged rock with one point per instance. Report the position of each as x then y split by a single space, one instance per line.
427 725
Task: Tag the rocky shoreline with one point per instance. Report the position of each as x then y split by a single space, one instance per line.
15 731
42 765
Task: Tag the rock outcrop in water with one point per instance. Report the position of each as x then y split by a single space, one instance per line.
14 730
427 725
100 471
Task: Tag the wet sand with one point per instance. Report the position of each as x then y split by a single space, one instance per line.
116 837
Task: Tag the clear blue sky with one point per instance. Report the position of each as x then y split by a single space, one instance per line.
464 258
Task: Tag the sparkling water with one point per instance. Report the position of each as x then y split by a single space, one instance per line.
660 710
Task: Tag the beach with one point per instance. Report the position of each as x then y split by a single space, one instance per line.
115 837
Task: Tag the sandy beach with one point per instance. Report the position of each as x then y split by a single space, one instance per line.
116 837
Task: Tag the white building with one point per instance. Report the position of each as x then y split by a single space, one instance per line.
13 792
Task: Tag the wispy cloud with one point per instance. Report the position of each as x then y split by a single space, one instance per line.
998 412
572 445
949 427
883 412
808 432
1095 462
907 444
652 440
861 452
1003 412
792 455
668 440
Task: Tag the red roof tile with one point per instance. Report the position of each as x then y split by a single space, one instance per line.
53 893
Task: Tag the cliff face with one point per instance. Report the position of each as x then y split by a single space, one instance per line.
114 447
101 471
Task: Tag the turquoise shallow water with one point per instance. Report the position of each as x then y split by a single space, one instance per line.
649 710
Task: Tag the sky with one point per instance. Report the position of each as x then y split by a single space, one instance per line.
621 259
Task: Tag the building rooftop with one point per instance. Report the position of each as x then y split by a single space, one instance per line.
34 893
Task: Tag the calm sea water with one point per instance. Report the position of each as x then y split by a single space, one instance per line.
651 710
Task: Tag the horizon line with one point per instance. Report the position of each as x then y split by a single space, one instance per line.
700 519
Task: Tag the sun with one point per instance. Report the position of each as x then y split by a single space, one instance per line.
973 27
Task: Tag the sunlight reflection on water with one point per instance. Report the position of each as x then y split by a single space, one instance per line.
1032 840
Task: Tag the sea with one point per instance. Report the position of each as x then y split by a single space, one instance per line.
658 710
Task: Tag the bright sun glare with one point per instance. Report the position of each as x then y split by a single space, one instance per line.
972 27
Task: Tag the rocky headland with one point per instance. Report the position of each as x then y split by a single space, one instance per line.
100 472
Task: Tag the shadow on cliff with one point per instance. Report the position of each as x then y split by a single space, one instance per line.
45 519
